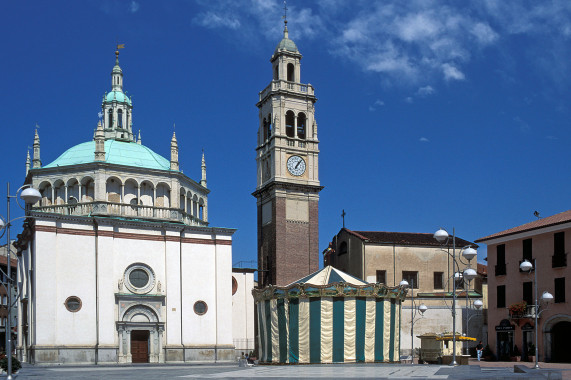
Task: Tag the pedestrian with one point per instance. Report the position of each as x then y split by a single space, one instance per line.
479 349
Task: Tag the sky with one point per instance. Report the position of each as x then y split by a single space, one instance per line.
430 113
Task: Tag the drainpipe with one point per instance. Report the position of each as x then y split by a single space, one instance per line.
97 292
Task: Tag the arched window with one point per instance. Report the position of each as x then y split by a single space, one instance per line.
265 124
301 125
276 72
110 122
343 248
120 118
269 125
290 73
290 124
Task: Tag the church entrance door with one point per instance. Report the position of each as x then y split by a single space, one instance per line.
140 346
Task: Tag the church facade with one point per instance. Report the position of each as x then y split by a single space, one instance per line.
118 262
288 185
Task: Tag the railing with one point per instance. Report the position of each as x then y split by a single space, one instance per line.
559 260
500 269
528 313
285 85
124 210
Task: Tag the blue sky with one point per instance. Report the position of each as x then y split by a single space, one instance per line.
430 113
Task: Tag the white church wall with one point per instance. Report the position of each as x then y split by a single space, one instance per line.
243 312
173 287
107 287
46 331
224 294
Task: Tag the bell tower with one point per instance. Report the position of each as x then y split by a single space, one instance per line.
288 186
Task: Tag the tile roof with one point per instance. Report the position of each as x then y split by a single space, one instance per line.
562 217
405 238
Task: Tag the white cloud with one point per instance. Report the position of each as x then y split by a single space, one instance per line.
378 103
134 6
423 139
408 99
484 34
451 72
425 91
213 20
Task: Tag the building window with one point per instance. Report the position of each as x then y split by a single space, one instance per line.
290 124
343 248
438 280
301 119
120 118
528 292
500 260
200 307
559 243
411 277
527 250
73 304
501 293
234 285
382 276
139 278
559 290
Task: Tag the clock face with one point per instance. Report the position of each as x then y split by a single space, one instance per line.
296 165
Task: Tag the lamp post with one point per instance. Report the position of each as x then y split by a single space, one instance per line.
546 297
30 196
422 308
469 253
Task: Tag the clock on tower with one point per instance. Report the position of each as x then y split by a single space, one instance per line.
288 186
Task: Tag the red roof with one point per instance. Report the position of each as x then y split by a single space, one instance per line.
553 220
404 238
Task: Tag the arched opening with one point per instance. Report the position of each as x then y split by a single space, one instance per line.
73 190
265 128
301 120
147 194
113 190
290 72
120 118
59 192
47 194
560 337
269 125
163 195
290 124
110 118
276 72
343 248
88 193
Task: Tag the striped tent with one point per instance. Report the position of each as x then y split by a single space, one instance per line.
329 317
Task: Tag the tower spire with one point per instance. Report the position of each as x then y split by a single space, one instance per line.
99 143
36 162
28 161
285 20
203 167
174 153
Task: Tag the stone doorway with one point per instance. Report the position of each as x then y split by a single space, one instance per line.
140 346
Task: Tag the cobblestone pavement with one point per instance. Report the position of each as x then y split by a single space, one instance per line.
476 370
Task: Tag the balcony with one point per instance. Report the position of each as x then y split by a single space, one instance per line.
123 210
500 269
276 85
529 312
559 260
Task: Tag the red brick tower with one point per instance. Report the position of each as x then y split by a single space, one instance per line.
288 186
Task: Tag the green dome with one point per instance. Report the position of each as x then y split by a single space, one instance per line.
287 44
116 152
118 96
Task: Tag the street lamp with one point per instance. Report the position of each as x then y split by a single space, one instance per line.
30 196
421 308
469 253
546 297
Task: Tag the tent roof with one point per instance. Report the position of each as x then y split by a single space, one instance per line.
329 275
